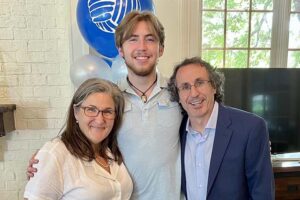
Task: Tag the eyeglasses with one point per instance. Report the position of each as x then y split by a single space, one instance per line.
186 87
91 111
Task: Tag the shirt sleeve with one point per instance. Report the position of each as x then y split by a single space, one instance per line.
47 182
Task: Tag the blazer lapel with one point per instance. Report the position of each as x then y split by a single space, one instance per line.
221 141
183 133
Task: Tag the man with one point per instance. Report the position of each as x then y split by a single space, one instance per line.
148 137
225 151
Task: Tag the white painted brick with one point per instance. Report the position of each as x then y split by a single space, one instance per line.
40 124
2 185
1 164
27 34
13 68
42 68
36 145
46 91
49 10
24 135
33 22
4 9
6 33
20 172
3 92
49 22
49 134
18 9
7 175
51 34
62 22
47 2
33 102
11 45
21 123
66 91
60 102
8 57
18 22
33 9
9 195
57 80
5 21
11 80
16 165
32 80
11 185
31 57
19 155
19 92
51 45
16 145
36 45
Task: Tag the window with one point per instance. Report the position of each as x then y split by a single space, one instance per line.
250 33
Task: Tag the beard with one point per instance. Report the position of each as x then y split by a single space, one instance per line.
141 72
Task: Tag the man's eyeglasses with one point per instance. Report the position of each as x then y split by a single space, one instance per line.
91 111
186 87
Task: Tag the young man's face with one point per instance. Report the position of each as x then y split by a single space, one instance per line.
198 102
141 51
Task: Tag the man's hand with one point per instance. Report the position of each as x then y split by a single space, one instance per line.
30 169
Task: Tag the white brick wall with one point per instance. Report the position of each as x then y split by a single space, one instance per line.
34 75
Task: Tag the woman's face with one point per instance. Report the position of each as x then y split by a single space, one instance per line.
96 116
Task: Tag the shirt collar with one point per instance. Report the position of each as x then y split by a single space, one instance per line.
125 87
212 121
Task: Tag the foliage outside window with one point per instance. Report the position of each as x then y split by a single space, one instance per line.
238 33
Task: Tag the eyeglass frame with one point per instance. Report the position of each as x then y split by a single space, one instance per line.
103 112
197 84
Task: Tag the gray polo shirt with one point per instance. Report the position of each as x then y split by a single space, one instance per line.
149 142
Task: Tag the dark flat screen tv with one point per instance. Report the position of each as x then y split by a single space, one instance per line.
273 94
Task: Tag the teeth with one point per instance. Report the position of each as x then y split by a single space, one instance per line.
141 57
197 102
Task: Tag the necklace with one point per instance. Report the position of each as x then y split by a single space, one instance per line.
102 165
143 96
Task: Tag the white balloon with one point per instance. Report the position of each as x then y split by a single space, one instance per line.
87 67
118 68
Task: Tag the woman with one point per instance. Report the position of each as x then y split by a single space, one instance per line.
85 161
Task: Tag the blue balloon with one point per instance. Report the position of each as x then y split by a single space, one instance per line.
97 20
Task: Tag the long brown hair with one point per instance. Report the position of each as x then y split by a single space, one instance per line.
126 27
75 141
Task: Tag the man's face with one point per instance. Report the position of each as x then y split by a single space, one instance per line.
198 102
141 50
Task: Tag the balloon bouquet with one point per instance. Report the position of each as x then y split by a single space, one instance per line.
97 20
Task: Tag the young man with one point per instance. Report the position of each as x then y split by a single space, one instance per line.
225 151
148 137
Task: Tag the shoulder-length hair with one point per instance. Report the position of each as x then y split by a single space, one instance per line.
72 136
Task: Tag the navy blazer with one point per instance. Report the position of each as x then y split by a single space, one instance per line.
240 165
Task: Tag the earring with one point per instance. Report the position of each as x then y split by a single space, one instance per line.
76 121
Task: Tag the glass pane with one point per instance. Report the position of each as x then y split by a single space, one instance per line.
238 4
294 59
213 4
262 4
261 30
214 57
294 34
236 59
259 59
295 6
237 29
213 29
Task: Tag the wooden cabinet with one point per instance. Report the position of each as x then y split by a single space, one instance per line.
287 180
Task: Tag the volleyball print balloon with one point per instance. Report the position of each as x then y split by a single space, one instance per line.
107 14
98 19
